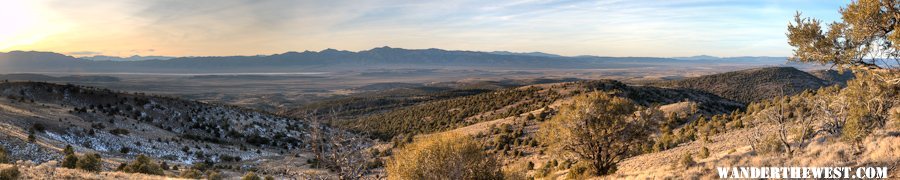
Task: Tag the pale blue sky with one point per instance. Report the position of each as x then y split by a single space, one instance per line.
247 27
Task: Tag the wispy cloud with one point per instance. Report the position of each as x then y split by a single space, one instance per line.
570 27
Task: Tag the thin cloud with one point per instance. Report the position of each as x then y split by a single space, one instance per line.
569 27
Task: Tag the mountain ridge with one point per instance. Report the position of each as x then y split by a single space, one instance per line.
751 85
332 59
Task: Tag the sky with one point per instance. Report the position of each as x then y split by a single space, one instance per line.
650 28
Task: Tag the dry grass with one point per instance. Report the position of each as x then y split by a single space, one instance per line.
49 170
879 150
678 108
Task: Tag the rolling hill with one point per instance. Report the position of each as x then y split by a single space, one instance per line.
834 77
715 139
752 84
443 114
120 126
504 116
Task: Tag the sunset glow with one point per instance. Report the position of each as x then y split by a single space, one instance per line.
235 27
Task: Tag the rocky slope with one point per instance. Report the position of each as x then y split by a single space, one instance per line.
120 126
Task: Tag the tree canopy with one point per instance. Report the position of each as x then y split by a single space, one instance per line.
600 128
865 39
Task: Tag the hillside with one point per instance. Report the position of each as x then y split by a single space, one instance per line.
752 84
503 116
380 97
120 126
834 77
449 113
757 144
745 137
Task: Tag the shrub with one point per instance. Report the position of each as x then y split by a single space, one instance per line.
213 175
90 162
541 172
270 178
9 173
250 176
564 165
31 137
516 171
70 161
687 161
855 129
704 153
119 131
448 156
121 167
895 115
202 166
191 174
579 170
3 157
38 127
374 164
143 164
69 150
769 145
868 100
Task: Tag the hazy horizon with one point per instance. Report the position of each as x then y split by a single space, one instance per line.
499 51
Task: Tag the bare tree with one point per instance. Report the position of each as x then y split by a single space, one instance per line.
832 111
755 136
338 150
801 127
346 153
805 130
778 116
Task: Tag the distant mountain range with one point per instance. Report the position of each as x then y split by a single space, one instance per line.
539 54
131 58
767 59
331 59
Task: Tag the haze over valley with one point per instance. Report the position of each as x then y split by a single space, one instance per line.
288 79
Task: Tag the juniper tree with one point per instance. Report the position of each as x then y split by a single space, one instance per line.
599 128
865 41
